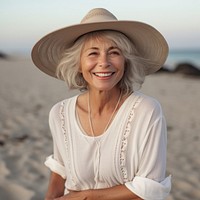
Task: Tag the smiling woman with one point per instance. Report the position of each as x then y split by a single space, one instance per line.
109 140
102 65
119 48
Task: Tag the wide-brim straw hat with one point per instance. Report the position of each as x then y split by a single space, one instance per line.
149 42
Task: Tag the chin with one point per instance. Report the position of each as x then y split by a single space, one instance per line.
105 88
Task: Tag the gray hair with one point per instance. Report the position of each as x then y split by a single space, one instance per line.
134 72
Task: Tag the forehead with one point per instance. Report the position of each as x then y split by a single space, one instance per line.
98 41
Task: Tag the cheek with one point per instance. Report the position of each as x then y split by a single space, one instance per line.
122 74
86 65
85 71
122 69
122 66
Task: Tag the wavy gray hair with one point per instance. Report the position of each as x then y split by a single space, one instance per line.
134 73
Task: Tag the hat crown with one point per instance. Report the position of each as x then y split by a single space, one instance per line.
98 15
151 45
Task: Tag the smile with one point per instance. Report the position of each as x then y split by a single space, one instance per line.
100 74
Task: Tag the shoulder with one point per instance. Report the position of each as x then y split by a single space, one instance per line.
148 104
54 114
58 109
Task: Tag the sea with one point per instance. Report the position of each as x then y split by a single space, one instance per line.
191 56
175 57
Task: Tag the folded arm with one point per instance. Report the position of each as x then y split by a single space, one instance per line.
57 186
120 192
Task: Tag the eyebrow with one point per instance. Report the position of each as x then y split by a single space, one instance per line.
96 48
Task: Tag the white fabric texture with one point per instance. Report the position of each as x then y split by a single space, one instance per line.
148 189
132 151
55 166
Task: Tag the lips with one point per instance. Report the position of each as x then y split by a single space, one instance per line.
103 74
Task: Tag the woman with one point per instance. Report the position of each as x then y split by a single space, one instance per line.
110 140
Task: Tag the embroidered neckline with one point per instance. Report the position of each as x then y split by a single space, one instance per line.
124 139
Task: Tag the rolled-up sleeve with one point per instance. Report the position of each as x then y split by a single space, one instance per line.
55 166
149 189
55 162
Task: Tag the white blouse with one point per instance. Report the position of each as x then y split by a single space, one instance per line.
132 151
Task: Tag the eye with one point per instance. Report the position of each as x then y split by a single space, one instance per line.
93 53
114 53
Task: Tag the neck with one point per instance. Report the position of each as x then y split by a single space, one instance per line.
92 115
101 101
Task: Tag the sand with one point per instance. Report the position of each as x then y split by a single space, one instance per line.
26 96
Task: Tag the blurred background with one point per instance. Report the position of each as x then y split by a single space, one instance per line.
27 95
23 22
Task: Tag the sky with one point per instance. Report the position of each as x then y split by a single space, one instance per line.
24 22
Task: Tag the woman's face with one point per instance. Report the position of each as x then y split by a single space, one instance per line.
102 64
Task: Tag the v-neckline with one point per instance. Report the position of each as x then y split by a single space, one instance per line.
113 122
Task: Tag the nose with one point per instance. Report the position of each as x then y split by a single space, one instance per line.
103 61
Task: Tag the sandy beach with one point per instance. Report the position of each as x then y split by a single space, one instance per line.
27 95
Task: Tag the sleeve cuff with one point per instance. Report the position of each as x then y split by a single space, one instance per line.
55 166
149 189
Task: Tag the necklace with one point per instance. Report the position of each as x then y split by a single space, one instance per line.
111 117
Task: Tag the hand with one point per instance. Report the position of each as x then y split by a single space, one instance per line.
77 195
109 193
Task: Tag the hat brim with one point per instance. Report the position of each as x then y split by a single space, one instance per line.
151 45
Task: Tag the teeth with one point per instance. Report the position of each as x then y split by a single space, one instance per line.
103 74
